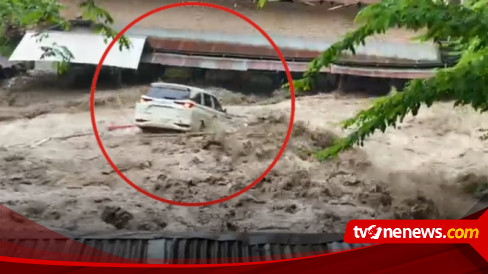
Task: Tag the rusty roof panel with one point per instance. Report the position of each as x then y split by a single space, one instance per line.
212 43
241 64
383 72
376 53
209 62
237 50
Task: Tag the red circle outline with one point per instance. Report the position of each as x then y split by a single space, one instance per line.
92 106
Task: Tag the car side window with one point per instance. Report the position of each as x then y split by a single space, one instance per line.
197 98
207 101
217 104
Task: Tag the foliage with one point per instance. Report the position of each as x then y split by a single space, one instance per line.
61 52
17 16
464 26
96 14
261 3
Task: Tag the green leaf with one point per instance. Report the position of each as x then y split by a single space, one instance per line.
464 27
262 3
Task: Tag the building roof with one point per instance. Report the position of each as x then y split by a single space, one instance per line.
243 64
86 47
410 54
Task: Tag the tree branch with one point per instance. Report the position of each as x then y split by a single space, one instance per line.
467 82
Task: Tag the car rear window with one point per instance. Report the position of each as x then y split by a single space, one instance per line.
168 93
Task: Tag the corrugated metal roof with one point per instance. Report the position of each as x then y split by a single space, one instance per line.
194 47
87 48
401 73
257 45
196 248
241 64
227 63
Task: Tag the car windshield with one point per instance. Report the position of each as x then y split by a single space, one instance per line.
168 93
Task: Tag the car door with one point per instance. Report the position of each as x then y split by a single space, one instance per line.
217 112
199 113
202 110
218 107
206 111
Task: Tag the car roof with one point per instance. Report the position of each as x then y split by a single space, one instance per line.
182 87
177 86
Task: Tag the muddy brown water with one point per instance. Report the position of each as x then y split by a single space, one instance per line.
426 169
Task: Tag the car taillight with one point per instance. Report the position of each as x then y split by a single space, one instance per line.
144 100
186 104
